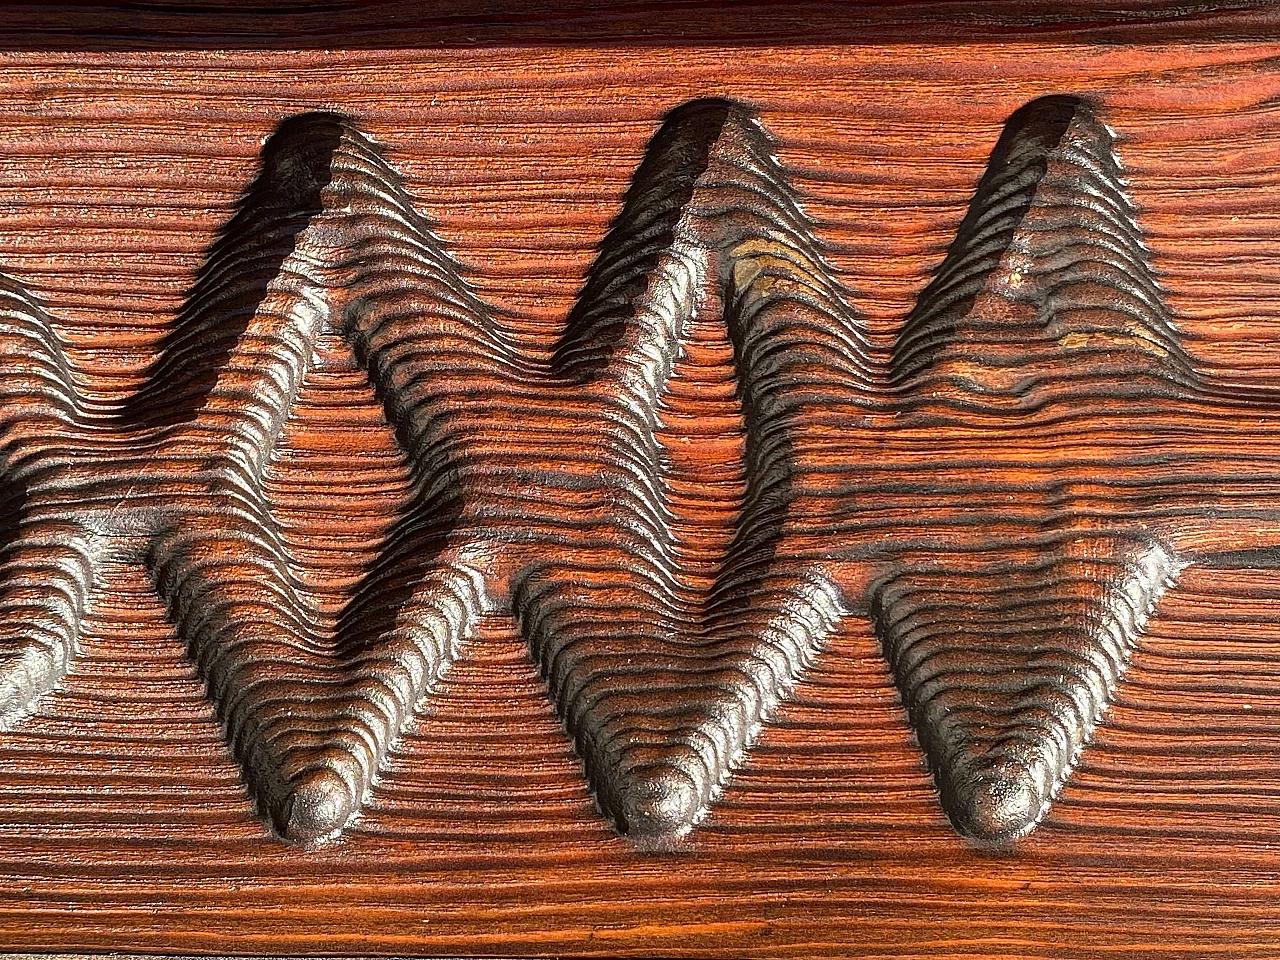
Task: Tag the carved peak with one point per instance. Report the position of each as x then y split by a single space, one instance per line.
297 159
1048 273
708 217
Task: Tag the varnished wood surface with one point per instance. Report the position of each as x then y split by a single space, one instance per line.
123 820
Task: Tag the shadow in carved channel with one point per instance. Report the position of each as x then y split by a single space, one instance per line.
1006 492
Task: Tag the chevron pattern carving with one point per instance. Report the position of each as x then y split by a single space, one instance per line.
670 611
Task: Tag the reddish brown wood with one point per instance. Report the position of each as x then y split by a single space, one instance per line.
124 821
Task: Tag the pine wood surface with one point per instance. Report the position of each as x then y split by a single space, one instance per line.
124 823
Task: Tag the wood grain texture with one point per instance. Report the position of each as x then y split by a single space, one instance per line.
125 824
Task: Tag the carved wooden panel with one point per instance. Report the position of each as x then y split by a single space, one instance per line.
804 483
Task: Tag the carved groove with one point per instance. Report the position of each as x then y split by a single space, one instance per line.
1006 668
1008 581
663 701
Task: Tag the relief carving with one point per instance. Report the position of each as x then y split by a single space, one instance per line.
1006 491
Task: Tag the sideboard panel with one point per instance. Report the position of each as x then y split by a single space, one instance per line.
137 811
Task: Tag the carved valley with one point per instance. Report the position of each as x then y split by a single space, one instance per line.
1006 490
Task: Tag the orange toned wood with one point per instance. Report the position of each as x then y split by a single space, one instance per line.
125 822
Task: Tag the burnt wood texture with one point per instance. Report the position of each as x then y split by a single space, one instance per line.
681 479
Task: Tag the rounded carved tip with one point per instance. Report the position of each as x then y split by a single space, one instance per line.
998 806
319 807
658 806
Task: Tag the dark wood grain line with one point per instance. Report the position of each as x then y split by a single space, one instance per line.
123 822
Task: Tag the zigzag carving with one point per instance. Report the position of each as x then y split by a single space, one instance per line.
1005 492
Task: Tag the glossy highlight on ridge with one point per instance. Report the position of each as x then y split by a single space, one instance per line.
671 610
